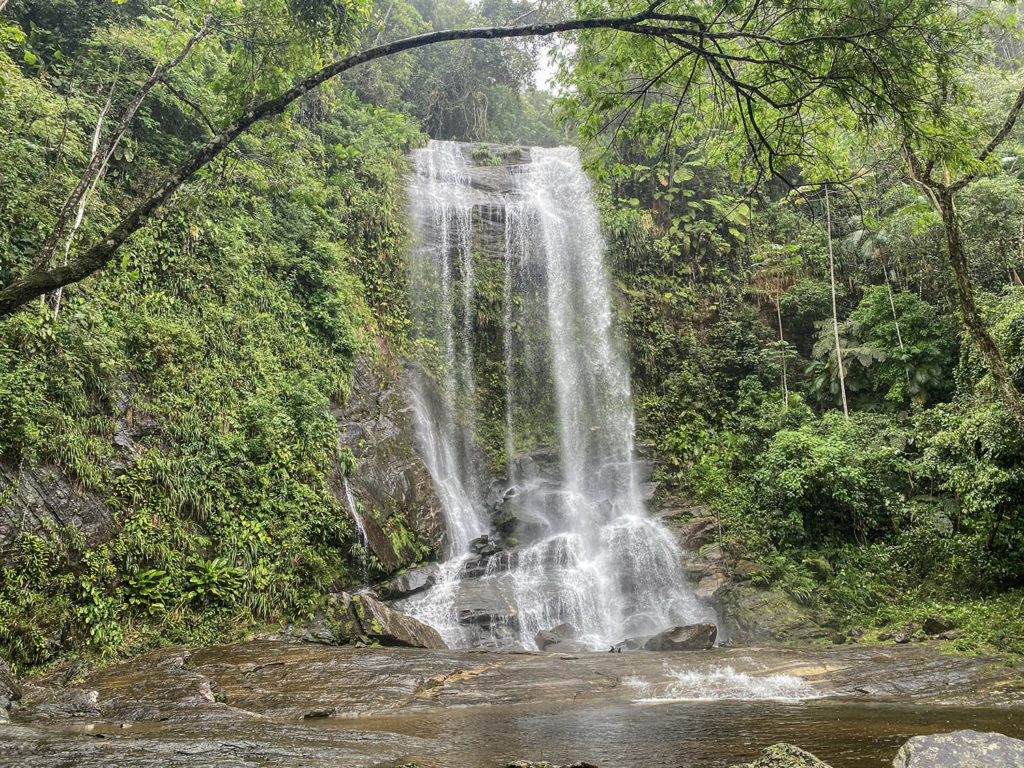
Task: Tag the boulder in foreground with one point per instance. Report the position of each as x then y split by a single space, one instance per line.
693 637
961 749
784 755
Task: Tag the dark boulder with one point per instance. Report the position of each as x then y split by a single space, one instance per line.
488 619
961 749
936 625
549 637
483 546
693 637
514 520
10 690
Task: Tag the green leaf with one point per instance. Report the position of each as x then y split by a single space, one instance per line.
681 175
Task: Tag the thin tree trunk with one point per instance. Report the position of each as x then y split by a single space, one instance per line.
85 197
943 198
835 311
782 351
896 320
1020 254
99 159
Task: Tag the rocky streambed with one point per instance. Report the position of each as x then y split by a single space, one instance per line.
277 703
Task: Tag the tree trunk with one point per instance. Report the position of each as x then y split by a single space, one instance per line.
782 351
896 321
835 312
968 307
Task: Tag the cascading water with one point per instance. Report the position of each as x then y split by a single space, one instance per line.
568 540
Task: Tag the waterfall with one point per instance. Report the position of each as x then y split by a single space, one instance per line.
564 537
361 535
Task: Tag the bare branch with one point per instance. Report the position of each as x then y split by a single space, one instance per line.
100 158
691 36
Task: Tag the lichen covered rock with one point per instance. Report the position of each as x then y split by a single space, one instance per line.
784 755
961 749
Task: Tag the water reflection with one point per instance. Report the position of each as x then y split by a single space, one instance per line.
844 733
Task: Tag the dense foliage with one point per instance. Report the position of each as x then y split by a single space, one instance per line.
189 388
915 502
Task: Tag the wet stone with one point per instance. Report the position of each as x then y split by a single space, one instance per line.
693 637
936 625
411 582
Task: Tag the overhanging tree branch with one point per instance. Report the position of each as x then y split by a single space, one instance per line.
686 32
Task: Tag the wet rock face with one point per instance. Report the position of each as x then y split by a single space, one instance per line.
961 749
365 620
785 756
42 498
694 637
748 615
390 483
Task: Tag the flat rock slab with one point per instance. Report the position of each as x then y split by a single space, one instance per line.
961 749
289 704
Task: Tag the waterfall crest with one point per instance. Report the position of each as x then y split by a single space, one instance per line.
564 537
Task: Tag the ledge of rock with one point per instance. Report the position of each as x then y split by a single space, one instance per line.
548 638
408 582
784 755
961 749
693 637
350 619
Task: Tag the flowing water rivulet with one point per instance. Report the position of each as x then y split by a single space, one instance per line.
512 313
